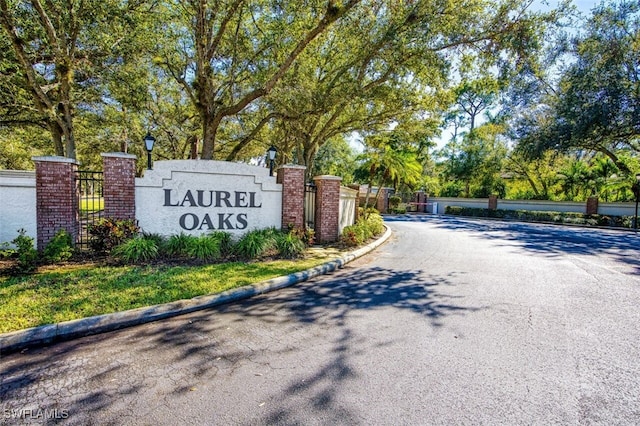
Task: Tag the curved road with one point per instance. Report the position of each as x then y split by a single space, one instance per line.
451 322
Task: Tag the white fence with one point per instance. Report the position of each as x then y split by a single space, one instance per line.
439 204
348 206
17 204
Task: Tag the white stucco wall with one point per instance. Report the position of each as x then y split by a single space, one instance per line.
243 198
347 211
17 204
612 209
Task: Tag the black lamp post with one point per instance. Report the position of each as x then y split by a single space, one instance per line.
148 144
271 153
636 191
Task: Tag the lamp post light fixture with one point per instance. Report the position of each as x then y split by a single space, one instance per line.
148 144
636 192
271 153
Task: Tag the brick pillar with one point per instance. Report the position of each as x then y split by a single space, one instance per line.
493 202
292 179
592 205
382 204
327 208
56 198
118 188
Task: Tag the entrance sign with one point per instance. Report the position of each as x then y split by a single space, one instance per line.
198 196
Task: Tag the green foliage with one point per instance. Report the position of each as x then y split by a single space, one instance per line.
394 201
335 157
108 233
543 216
59 248
27 254
136 250
363 230
307 236
224 241
178 245
6 251
290 245
256 243
204 248
594 105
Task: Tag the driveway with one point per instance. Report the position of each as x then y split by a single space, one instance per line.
453 321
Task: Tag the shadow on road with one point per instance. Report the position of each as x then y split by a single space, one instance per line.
198 346
543 239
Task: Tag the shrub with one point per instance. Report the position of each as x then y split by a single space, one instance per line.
27 254
204 248
108 233
224 241
394 202
137 249
376 224
364 229
59 248
6 251
543 216
290 246
351 236
157 238
256 243
178 245
308 236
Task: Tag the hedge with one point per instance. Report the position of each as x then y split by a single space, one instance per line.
544 216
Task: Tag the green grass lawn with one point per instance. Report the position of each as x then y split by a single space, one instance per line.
77 291
91 204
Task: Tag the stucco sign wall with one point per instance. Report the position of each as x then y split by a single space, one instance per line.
198 196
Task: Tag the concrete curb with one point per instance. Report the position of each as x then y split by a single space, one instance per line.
51 333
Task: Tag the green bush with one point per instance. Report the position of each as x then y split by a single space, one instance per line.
27 254
308 236
543 216
290 246
394 202
108 233
59 248
204 248
224 241
256 243
157 238
6 251
364 229
136 250
178 245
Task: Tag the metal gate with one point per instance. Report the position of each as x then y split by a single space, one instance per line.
90 203
310 205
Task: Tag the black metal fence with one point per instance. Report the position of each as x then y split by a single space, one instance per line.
90 203
310 205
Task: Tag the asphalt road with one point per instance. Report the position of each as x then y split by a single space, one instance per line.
451 322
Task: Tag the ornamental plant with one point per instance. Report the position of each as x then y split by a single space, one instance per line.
108 233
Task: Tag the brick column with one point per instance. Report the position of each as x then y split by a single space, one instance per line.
592 205
292 179
327 208
119 188
382 204
493 202
56 198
